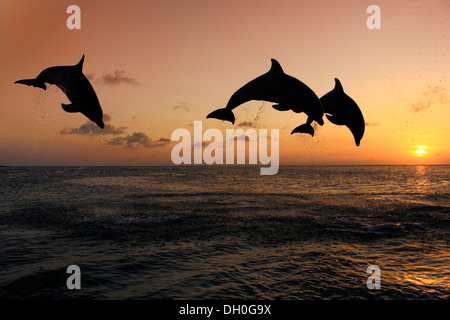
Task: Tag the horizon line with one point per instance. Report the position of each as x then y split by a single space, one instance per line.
227 165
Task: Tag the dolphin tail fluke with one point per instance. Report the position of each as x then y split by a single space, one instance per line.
222 114
32 82
304 128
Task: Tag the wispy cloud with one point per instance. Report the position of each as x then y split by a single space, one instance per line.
119 141
436 94
117 77
372 124
92 129
423 105
246 124
200 145
182 106
130 141
90 76
138 139
162 142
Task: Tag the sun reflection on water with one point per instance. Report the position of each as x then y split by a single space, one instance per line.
421 178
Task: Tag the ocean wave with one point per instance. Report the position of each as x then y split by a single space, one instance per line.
213 193
260 222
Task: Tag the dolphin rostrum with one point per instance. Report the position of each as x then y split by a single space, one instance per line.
78 89
276 86
343 110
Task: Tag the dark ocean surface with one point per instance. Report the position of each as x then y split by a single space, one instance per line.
225 232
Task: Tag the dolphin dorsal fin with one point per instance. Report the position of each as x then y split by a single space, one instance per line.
79 65
276 67
338 85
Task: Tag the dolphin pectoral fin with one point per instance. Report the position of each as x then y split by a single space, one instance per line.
304 128
70 108
281 107
32 82
222 114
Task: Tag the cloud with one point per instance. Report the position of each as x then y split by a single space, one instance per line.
131 141
432 95
118 77
138 139
182 106
200 145
416 107
106 117
438 93
162 142
116 141
246 124
372 124
90 76
93 129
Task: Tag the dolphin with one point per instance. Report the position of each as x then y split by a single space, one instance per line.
276 86
78 89
340 109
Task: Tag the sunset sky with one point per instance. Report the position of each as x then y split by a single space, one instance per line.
157 66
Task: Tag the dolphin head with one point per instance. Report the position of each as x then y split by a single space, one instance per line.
357 129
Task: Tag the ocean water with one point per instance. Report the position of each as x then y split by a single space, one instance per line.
225 232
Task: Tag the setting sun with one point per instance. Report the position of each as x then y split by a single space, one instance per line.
420 151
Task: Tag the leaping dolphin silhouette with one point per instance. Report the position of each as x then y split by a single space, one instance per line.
276 86
343 110
78 89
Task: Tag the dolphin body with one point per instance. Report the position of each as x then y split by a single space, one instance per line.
275 86
78 89
343 110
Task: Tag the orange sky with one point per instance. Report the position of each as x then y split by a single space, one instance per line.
160 65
